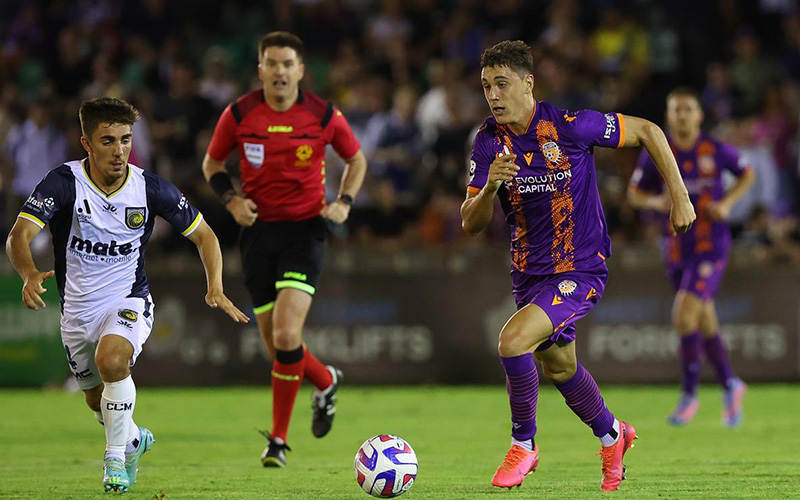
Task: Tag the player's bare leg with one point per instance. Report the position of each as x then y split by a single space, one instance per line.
264 321
526 329
92 397
561 367
716 353
686 312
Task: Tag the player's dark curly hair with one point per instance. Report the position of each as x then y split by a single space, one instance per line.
281 39
514 54
105 110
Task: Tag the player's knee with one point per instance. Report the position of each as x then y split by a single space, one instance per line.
286 339
112 366
511 343
685 322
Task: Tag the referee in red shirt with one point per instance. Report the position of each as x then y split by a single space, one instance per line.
281 133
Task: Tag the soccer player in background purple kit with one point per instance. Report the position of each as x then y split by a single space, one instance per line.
696 260
538 161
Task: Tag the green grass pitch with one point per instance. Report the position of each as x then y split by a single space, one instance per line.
207 446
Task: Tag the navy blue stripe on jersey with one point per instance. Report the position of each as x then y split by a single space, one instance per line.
165 200
59 184
141 288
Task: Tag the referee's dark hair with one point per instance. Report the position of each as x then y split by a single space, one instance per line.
281 39
105 110
513 54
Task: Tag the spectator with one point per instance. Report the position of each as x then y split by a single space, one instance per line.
33 148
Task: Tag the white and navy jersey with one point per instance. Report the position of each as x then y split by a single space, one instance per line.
98 238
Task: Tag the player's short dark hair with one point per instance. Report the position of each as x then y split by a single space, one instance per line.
684 91
514 54
281 39
105 110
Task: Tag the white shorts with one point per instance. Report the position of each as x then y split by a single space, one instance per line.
131 318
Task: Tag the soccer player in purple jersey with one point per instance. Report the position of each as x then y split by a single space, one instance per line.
538 161
696 260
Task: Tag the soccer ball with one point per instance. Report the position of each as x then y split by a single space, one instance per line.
386 466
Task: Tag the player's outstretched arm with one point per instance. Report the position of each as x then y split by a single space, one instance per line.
18 248
641 132
352 179
211 255
477 209
721 210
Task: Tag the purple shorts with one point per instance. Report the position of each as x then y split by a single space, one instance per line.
564 297
698 275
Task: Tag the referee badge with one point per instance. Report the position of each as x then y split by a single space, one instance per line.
134 217
254 154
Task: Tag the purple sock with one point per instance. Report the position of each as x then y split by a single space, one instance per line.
522 384
690 362
717 355
583 397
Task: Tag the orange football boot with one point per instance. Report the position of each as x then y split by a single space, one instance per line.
518 463
613 469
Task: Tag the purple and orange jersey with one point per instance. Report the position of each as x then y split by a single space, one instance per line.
552 206
701 169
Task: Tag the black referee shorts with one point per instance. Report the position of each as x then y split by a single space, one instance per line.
284 254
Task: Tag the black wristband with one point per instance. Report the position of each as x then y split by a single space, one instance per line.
222 185
346 199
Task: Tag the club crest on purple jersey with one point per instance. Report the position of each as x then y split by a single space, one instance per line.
551 152
566 287
706 164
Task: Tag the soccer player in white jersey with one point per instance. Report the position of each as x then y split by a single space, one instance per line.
101 212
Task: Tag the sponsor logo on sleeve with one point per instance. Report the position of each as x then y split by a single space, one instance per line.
46 204
611 125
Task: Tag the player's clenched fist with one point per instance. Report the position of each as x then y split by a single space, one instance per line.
502 169
243 210
682 215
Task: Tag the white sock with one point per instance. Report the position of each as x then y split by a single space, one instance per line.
99 416
117 403
611 437
527 444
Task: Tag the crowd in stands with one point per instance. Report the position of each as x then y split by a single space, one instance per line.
406 76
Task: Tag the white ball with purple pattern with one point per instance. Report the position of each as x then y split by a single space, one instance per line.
386 466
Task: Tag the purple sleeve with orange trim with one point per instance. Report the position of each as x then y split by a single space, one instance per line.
730 160
479 161
590 128
646 176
